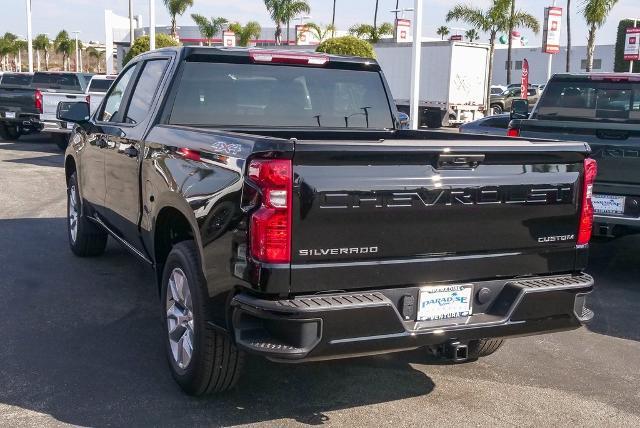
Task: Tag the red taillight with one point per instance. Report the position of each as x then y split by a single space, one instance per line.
586 211
88 99
265 56
189 154
270 229
513 132
38 98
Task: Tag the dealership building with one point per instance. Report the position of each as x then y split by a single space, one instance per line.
603 61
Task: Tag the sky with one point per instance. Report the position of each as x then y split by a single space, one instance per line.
87 16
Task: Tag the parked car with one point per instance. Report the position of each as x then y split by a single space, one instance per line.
490 125
20 106
501 103
56 87
286 215
497 89
602 109
98 86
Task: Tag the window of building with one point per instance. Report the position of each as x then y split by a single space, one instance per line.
597 64
518 65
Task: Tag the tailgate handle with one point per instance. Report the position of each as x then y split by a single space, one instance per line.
612 135
459 161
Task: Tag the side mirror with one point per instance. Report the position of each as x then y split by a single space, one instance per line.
404 120
520 109
76 112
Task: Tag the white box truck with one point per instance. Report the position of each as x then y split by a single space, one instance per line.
453 80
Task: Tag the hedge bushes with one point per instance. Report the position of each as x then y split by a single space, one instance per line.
141 45
347 45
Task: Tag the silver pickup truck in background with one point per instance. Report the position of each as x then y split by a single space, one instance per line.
57 87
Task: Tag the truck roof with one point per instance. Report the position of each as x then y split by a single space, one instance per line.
264 56
613 77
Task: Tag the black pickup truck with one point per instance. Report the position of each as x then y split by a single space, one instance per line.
286 215
20 106
602 109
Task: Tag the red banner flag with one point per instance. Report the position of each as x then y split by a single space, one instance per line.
524 84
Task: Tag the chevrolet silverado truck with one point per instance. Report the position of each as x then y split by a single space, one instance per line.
602 109
20 106
55 87
286 214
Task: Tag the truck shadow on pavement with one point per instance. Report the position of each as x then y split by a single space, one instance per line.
48 153
82 342
615 265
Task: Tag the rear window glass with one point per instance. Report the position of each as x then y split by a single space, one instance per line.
62 81
16 79
214 94
590 101
100 85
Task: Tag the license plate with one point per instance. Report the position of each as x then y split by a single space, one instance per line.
445 302
10 114
607 204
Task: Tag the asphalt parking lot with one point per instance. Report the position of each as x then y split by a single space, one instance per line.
82 344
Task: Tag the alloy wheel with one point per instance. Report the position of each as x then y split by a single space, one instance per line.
180 325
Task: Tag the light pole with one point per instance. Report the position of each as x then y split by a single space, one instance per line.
77 60
550 63
152 24
415 65
635 22
29 37
131 35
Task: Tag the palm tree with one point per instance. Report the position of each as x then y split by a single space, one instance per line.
595 12
7 48
568 69
65 46
518 19
443 31
292 8
319 31
472 35
209 28
244 34
370 33
175 8
41 43
333 19
19 46
97 54
375 17
492 21
283 11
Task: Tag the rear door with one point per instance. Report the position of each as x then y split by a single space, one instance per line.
410 212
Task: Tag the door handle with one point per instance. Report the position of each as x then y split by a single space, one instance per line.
459 161
131 151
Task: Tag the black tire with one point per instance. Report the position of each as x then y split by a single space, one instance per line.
483 347
9 133
215 363
90 240
497 108
61 140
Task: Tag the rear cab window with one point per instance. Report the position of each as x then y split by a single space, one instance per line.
23 80
62 82
259 95
100 85
590 101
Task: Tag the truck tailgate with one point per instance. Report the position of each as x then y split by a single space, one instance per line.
370 214
50 102
616 146
17 100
